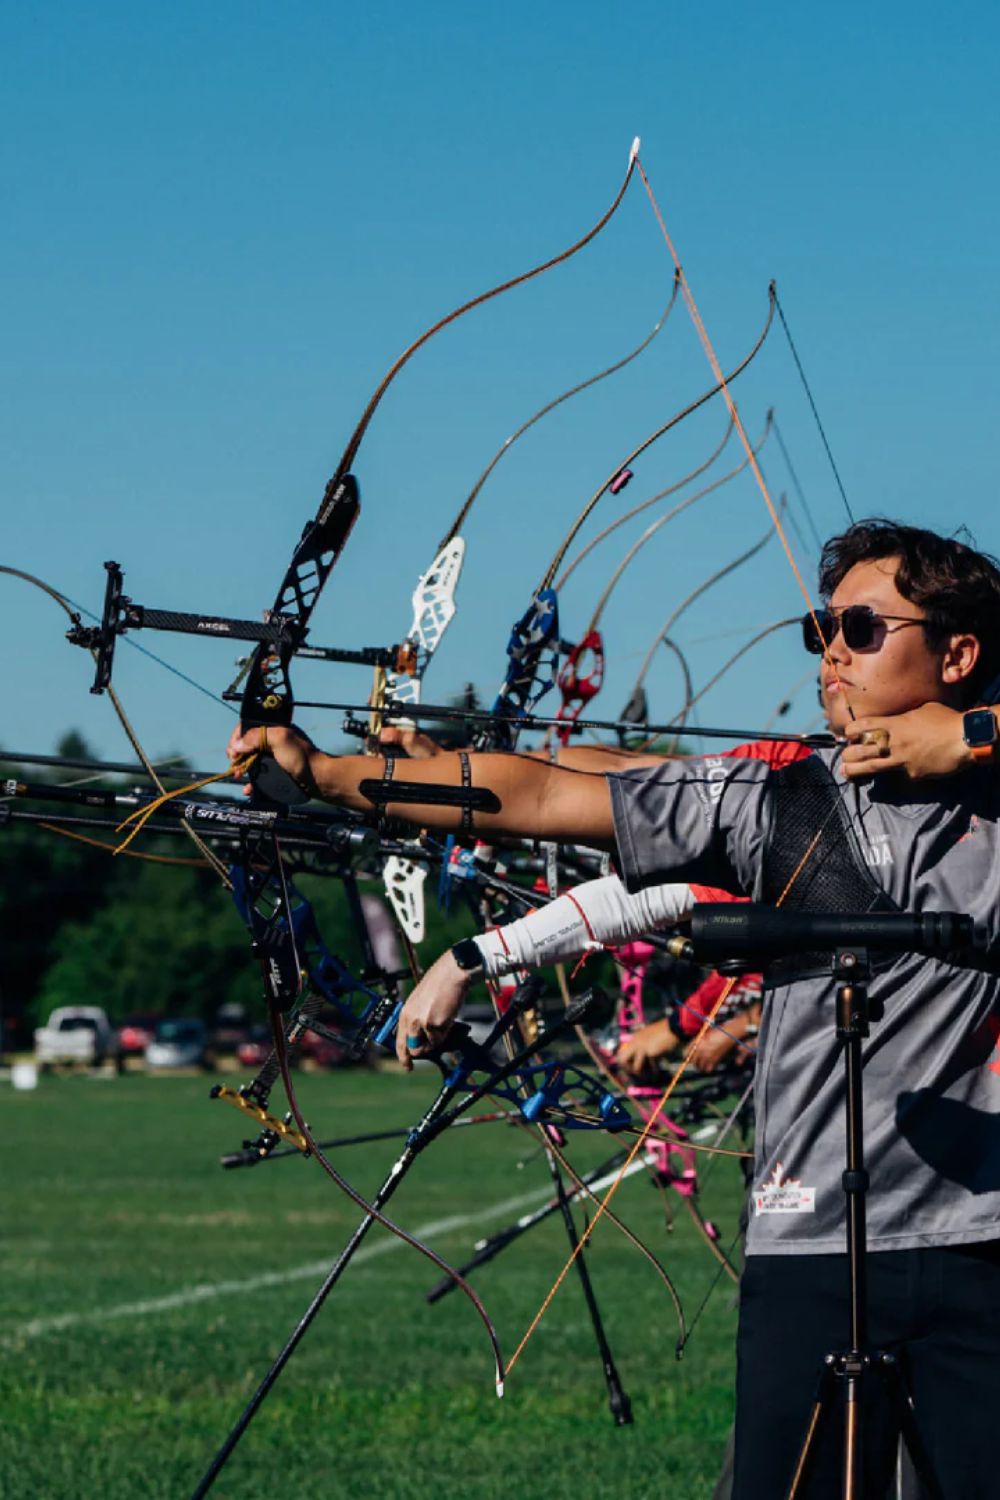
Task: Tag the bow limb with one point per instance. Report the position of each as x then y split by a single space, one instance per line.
662 521
635 714
695 594
579 687
788 698
631 1014
603 1205
636 510
585 1190
354 442
434 608
543 411
267 694
277 972
722 383
711 1240
557 1155
527 1025
761 635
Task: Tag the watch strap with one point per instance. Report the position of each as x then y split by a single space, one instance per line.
982 754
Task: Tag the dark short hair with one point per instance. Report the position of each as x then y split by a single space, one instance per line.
957 587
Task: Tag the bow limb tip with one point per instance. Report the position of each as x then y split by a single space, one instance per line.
637 142
500 1388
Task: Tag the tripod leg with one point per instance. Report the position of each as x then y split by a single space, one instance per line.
818 1414
888 1368
852 1437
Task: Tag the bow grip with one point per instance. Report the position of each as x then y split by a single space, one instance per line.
271 781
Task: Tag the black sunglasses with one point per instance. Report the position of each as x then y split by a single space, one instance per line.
860 624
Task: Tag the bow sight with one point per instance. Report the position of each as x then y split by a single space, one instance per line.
281 631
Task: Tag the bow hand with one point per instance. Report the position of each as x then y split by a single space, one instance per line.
287 759
430 1009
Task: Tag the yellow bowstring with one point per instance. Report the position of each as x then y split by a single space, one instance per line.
158 859
142 815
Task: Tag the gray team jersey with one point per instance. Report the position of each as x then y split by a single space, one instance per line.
931 1065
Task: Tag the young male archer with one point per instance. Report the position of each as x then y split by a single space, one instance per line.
910 641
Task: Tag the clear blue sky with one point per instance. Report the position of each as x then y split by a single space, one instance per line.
223 222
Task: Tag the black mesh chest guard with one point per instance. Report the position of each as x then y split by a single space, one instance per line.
813 860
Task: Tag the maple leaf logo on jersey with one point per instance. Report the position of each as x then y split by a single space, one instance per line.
782 1194
778 1179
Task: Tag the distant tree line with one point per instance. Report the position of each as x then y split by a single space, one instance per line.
79 926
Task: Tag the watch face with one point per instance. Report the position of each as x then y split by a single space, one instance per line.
467 955
979 727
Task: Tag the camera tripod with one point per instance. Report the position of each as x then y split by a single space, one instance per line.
847 1373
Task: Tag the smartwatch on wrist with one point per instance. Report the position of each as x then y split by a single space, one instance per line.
467 955
979 731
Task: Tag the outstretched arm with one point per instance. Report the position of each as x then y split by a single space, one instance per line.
530 798
593 915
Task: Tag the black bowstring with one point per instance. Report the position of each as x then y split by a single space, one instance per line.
815 412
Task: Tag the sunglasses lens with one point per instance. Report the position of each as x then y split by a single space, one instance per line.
812 638
858 623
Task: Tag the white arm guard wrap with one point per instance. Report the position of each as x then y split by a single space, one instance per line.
600 912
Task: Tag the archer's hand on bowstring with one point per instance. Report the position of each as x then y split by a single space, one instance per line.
922 743
721 1041
293 750
639 1053
430 1008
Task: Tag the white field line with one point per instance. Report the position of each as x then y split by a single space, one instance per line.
206 1291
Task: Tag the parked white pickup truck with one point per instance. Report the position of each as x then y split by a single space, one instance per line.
75 1034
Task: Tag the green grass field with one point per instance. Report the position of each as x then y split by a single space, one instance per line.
144 1292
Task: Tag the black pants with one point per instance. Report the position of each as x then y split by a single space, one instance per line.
938 1310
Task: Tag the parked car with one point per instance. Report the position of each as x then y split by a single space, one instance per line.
318 1050
180 1043
322 1051
75 1034
229 1028
135 1034
255 1050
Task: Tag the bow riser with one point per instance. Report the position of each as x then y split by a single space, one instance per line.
267 697
433 611
578 687
533 662
675 1165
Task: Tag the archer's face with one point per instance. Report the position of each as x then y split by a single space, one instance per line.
898 671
